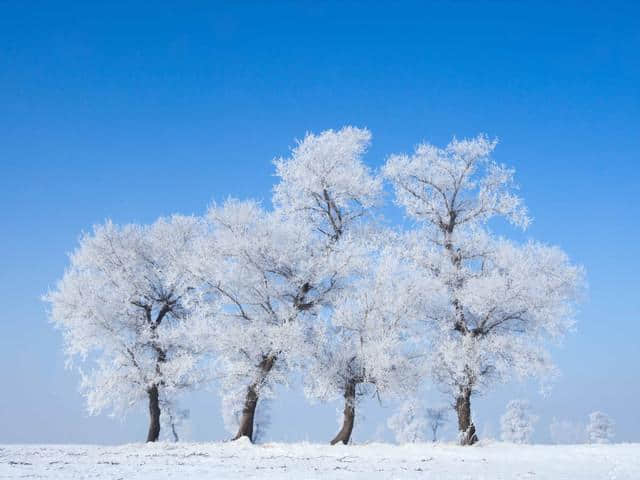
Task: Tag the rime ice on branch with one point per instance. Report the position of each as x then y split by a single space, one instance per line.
504 299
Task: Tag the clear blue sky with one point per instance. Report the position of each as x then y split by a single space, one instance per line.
131 111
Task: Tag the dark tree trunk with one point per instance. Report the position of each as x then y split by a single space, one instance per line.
154 414
174 432
248 414
466 428
251 400
344 435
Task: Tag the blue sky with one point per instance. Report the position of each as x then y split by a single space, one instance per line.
131 111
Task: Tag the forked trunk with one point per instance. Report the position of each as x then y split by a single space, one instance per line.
154 414
245 428
344 435
466 428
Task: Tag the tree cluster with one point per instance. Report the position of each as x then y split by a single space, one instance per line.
319 284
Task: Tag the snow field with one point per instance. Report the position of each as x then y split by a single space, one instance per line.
304 461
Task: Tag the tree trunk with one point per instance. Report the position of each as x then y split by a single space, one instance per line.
466 428
344 435
154 414
245 428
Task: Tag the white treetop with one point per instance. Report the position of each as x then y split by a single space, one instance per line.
455 185
120 308
516 424
504 299
600 428
325 182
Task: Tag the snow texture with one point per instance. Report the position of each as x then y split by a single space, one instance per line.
300 461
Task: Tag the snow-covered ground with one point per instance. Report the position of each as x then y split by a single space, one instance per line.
301 460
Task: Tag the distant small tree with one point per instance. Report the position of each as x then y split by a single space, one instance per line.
173 419
600 428
408 423
517 422
436 418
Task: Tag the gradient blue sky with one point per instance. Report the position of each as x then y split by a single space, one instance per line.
130 111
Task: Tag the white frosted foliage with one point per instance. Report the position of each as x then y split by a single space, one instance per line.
504 300
600 428
120 306
317 286
517 423
409 422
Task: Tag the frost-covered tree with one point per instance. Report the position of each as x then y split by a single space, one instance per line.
255 281
409 423
436 418
600 428
516 424
365 347
120 308
173 418
504 299
325 186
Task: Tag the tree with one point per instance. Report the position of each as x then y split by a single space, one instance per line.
504 299
365 347
255 282
173 418
600 428
436 418
325 186
517 422
120 306
409 422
